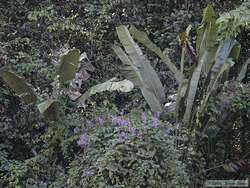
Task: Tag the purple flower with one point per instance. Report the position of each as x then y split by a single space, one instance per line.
83 142
76 130
118 120
140 134
143 118
114 119
124 122
131 129
154 122
122 136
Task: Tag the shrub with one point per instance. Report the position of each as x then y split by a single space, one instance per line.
127 151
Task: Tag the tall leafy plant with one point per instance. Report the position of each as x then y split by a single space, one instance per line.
69 70
139 70
214 59
215 53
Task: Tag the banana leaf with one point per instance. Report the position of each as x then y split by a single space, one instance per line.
193 85
243 70
142 37
139 70
213 83
130 70
50 109
206 41
184 40
223 61
69 65
223 52
110 85
18 84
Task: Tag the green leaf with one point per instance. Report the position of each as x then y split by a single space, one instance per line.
50 109
143 39
110 85
208 15
222 54
21 88
231 23
235 52
207 38
182 90
193 85
139 70
69 65
243 70
130 70
222 63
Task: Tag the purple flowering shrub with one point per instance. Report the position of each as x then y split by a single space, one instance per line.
126 150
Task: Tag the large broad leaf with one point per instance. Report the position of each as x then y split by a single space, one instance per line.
130 70
139 70
142 37
21 88
220 66
69 65
222 54
206 30
206 38
243 70
184 40
182 90
206 46
133 74
50 109
223 62
110 85
193 85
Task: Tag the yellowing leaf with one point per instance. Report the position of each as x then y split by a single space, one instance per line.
69 65
21 88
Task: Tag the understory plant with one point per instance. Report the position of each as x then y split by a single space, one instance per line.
107 149
205 69
127 150
212 58
70 75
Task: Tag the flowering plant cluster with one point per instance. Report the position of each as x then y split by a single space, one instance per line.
124 125
126 150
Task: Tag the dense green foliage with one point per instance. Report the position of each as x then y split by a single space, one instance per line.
80 81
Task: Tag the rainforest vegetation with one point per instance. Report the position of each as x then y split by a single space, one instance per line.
124 93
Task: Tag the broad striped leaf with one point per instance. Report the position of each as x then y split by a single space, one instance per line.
110 85
243 71
140 69
142 37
